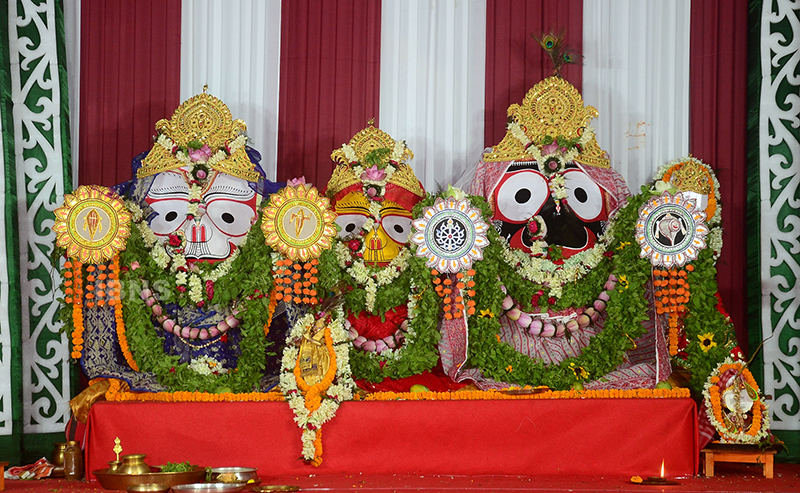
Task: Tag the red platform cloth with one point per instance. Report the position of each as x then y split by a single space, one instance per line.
577 437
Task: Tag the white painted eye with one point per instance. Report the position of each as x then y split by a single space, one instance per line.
397 227
584 196
231 217
171 214
520 195
350 224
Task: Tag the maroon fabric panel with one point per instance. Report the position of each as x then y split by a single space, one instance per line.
514 60
130 78
619 437
718 126
330 81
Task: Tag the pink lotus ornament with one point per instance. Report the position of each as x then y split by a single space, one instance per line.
373 174
200 155
552 148
294 182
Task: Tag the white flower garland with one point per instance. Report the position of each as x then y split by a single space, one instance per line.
340 390
367 276
543 271
534 150
206 365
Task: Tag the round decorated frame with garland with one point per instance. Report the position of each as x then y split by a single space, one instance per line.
733 379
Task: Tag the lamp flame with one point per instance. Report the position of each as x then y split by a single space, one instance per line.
662 468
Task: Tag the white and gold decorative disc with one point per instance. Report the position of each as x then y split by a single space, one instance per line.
670 230
92 224
451 234
298 222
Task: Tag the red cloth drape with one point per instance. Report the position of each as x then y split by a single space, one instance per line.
619 437
514 60
130 78
330 81
718 126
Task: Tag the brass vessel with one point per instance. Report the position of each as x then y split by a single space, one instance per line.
134 464
57 459
114 466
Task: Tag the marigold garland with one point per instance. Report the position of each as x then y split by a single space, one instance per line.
484 395
671 295
183 396
75 277
116 289
295 282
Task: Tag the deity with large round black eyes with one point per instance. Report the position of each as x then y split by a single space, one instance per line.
526 197
553 196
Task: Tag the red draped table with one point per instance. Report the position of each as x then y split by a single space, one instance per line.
481 437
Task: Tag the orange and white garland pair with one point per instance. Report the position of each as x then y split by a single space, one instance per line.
314 405
733 377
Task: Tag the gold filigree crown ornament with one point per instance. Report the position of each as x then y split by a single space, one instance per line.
201 130
362 162
551 112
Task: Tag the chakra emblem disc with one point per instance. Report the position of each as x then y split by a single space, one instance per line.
670 231
450 235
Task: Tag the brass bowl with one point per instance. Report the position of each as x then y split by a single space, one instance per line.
111 481
133 464
149 488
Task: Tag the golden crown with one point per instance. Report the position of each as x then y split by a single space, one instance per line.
342 178
691 176
368 140
552 108
206 120
355 151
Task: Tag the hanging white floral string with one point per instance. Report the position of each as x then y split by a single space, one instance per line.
314 398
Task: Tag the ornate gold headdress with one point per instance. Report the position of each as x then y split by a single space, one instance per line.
204 120
552 108
368 140
355 151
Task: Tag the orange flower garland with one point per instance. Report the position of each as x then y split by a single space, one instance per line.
115 394
296 282
758 428
314 405
115 289
484 395
312 393
671 295
273 302
75 296
458 301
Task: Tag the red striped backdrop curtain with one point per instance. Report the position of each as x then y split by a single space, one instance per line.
330 78
130 79
718 125
330 81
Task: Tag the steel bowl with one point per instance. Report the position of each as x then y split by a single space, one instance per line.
148 488
234 474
